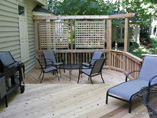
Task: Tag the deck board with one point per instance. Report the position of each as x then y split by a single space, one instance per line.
67 99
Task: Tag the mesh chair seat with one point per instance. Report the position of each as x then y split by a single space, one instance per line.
52 68
127 89
87 72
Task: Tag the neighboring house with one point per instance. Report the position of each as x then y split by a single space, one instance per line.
17 30
134 33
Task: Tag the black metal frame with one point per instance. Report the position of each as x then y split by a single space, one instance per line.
132 97
144 95
42 71
90 76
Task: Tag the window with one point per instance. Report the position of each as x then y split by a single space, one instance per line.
21 10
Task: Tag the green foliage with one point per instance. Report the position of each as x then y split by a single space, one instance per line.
82 7
154 45
153 40
133 46
139 51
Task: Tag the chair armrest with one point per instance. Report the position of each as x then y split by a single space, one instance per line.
130 73
151 80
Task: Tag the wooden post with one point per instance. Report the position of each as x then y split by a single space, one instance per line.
36 40
126 34
71 41
109 41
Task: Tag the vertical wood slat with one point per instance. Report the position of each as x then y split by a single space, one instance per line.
71 28
126 34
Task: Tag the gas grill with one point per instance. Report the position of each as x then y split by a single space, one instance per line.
13 75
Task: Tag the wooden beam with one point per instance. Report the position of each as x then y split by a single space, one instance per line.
126 34
122 15
109 40
73 17
85 16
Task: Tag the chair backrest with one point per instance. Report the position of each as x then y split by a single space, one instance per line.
49 57
98 65
39 62
149 69
96 56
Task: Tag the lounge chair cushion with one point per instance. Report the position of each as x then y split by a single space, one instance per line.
149 69
127 89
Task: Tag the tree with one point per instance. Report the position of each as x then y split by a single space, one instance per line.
82 7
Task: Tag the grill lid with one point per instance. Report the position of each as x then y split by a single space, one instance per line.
6 58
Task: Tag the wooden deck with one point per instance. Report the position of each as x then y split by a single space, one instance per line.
67 99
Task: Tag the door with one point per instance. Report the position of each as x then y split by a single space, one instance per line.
23 29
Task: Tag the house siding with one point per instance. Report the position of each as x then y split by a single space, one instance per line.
9 30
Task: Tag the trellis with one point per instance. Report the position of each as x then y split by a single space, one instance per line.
50 41
53 34
89 34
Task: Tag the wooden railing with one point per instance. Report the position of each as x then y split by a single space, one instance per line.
117 60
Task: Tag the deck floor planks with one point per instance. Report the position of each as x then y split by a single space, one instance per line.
67 99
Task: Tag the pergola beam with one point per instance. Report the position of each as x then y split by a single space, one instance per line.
85 17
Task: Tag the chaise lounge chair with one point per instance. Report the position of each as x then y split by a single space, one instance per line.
128 90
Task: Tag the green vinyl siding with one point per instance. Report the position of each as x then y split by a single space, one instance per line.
9 30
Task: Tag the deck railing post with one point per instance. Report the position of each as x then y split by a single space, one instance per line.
126 34
109 40
71 41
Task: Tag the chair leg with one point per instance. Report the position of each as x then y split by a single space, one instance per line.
102 78
42 78
91 80
107 98
6 101
78 78
130 105
40 75
58 75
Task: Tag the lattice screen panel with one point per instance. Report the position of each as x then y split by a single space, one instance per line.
89 34
53 35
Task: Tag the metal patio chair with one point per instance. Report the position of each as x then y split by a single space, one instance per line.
46 70
96 69
96 56
50 60
147 96
126 91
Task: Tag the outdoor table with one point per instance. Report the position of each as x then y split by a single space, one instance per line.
70 67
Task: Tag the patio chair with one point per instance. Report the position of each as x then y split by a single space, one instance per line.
50 60
96 69
96 56
126 91
46 70
151 94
